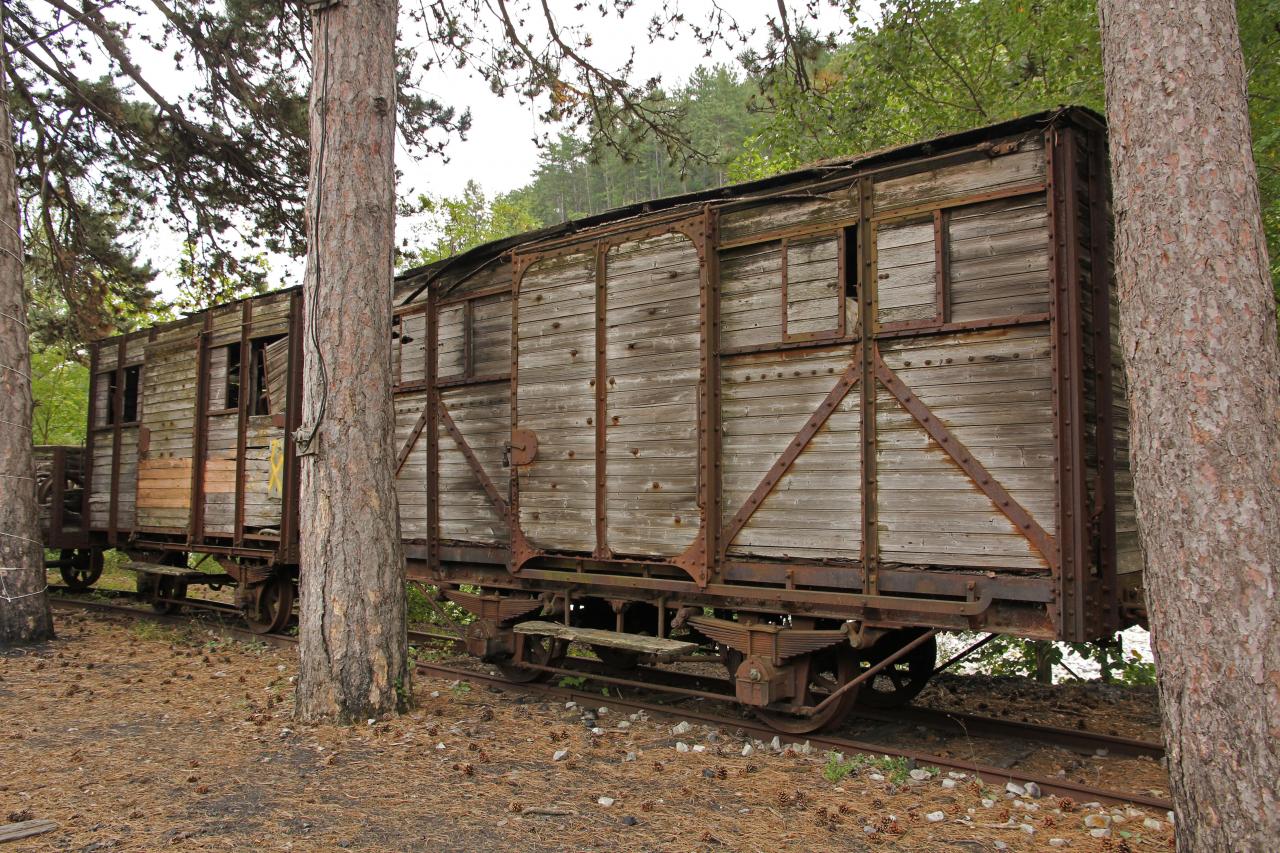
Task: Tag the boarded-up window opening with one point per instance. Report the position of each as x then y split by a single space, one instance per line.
276 358
906 272
964 263
811 282
474 337
409 346
787 290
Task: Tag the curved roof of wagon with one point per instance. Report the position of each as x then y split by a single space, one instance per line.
818 170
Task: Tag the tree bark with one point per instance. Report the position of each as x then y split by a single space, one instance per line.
1198 328
24 608
352 633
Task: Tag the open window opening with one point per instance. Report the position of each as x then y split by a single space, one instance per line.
231 399
123 408
851 264
268 365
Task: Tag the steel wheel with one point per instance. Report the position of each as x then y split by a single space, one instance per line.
901 681
82 570
272 606
168 587
542 651
824 672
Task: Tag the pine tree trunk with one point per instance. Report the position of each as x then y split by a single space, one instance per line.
352 632
24 609
1198 329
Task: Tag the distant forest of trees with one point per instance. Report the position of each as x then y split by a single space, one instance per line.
928 67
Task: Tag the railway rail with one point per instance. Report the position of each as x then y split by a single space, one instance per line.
972 724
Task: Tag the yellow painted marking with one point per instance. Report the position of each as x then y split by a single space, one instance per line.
275 482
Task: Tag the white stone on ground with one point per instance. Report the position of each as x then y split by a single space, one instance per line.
934 817
559 755
681 746
681 728
605 801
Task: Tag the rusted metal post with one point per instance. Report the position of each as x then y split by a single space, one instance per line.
867 352
200 434
117 417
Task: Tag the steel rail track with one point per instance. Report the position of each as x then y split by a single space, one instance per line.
988 774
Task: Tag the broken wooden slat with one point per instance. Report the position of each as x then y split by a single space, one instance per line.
25 829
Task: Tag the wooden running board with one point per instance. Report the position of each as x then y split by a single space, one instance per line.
659 648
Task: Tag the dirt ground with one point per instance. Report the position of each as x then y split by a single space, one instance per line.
139 737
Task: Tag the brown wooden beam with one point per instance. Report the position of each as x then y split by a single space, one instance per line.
200 433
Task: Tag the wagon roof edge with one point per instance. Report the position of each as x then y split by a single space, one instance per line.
485 252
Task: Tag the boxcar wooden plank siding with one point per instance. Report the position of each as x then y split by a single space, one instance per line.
557 362
482 415
751 295
815 292
906 271
411 479
262 492
1024 166
277 357
220 474
755 222
449 341
409 349
169 393
992 391
766 400
662 269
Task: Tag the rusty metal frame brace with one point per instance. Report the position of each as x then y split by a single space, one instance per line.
414 435
955 659
433 600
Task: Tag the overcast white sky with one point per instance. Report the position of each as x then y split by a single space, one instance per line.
500 152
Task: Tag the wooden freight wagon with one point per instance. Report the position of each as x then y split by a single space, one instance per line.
808 419
190 450
873 396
